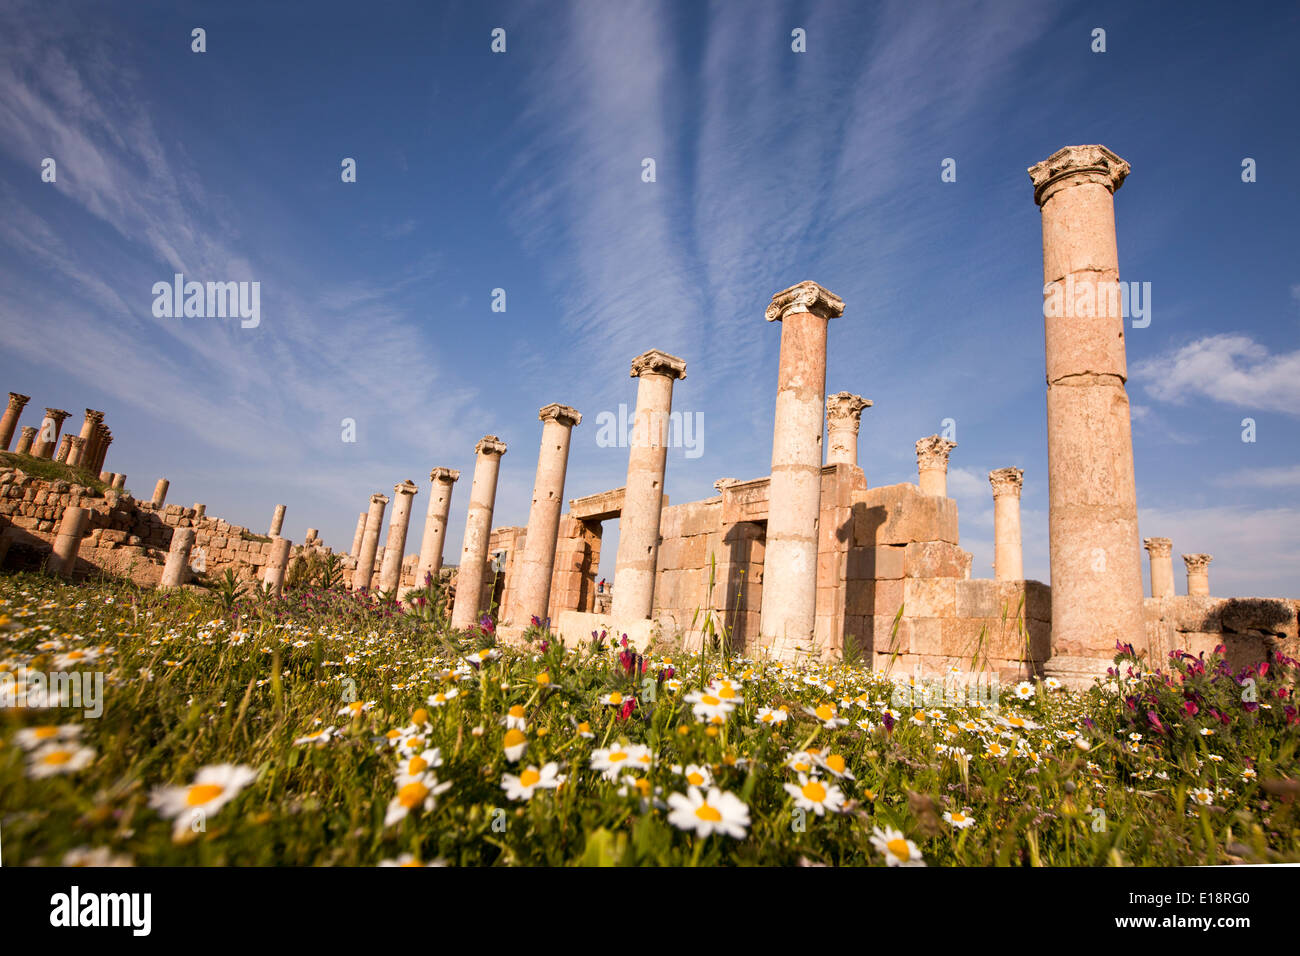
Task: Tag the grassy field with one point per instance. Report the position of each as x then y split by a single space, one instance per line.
317 729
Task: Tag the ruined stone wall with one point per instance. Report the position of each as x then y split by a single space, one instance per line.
125 537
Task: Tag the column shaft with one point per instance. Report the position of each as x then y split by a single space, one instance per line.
1008 561
369 543
478 530
9 421
277 521
441 480
276 563
359 536
638 525
1161 553
178 558
72 528
537 563
788 616
1092 494
160 492
390 575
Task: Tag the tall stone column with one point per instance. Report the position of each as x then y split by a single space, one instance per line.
65 446
25 439
276 563
1092 493
312 535
200 510
441 481
537 563
932 464
119 482
638 525
390 575
102 452
92 454
9 421
277 521
76 450
359 536
62 559
47 438
789 608
1008 561
1161 553
178 558
369 543
843 416
89 426
1198 574
478 530
160 492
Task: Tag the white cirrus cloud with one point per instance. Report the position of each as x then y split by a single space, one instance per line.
1232 368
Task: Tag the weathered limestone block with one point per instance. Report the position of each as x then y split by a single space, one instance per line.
935 559
901 514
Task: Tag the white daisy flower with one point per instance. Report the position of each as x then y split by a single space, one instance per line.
958 819
812 794
897 849
522 786
58 758
414 793
718 812
212 789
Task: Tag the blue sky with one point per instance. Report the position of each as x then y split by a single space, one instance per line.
522 171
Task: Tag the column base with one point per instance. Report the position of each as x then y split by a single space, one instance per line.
1076 672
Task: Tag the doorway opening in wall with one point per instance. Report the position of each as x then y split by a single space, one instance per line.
604 591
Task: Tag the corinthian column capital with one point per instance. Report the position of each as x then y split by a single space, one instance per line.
1072 165
808 297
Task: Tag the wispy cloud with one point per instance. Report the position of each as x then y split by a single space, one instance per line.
1230 368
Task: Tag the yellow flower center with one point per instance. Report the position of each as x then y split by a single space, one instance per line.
835 762
529 777
421 716
514 737
959 818
416 766
57 758
202 793
825 712
726 692
584 728
616 698
706 812
412 794
543 678
617 756
45 733
710 700
899 849
695 778
814 791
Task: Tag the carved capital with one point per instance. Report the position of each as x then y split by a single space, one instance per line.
58 414
18 402
1158 547
659 362
449 475
808 297
1197 562
377 499
490 445
93 416
75 441
845 408
560 413
933 451
1006 481
407 487
1072 165
722 483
